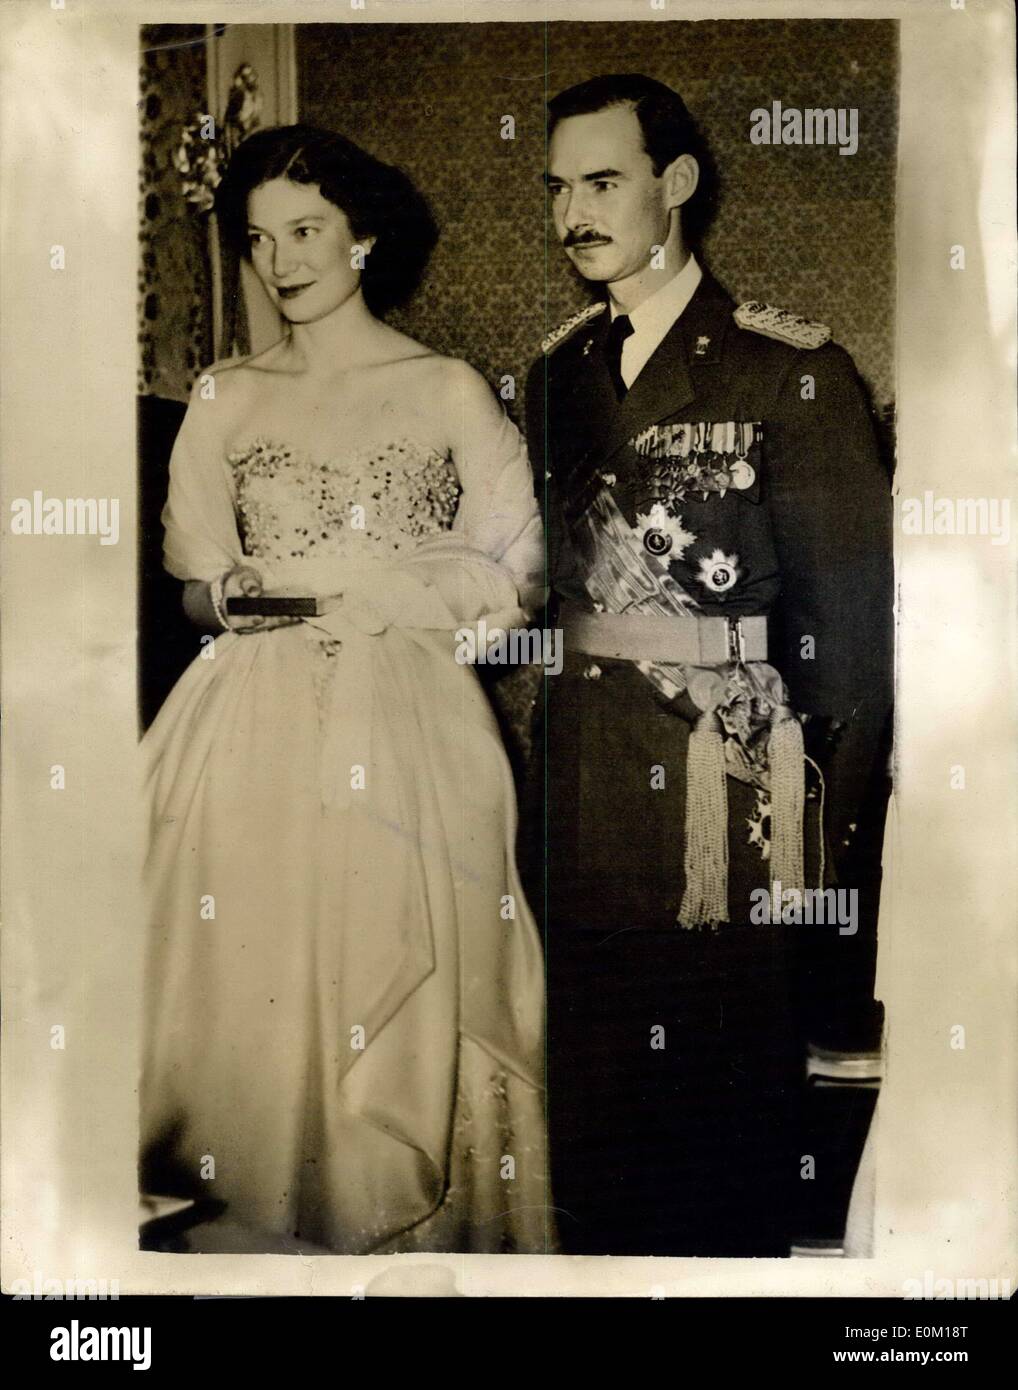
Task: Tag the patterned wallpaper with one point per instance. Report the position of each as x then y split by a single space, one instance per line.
174 306
802 227
798 226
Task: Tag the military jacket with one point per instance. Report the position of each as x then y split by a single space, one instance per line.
747 460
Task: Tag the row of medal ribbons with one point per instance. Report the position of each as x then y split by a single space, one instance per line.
728 437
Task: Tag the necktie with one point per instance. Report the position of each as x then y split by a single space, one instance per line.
621 329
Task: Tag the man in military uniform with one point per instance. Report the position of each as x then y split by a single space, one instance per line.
720 561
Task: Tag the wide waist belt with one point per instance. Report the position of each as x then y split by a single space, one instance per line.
685 638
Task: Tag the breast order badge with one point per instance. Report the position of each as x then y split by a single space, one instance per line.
719 572
663 531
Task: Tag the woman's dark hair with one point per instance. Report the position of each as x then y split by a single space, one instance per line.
668 131
378 199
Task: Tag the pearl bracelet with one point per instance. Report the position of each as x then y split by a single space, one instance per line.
216 599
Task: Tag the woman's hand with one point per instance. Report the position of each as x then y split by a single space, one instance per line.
210 616
245 582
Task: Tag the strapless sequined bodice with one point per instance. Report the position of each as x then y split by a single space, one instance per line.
379 503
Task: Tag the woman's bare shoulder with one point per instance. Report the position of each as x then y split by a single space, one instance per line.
235 373
446 376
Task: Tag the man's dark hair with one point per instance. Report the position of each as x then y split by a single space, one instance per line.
378 199
668 131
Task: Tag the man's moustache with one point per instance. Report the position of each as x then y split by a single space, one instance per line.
587 240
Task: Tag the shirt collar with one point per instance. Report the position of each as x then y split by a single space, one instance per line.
653 318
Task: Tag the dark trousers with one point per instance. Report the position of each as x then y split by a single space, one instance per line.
674 1079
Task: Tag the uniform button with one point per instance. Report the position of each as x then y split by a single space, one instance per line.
592 672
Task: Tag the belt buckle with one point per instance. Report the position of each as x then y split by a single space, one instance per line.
736 640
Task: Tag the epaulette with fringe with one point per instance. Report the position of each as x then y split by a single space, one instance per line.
781 324
557 335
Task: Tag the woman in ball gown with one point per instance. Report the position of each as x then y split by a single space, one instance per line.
345 986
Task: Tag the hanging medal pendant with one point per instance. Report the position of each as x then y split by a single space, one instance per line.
743 474
742 471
